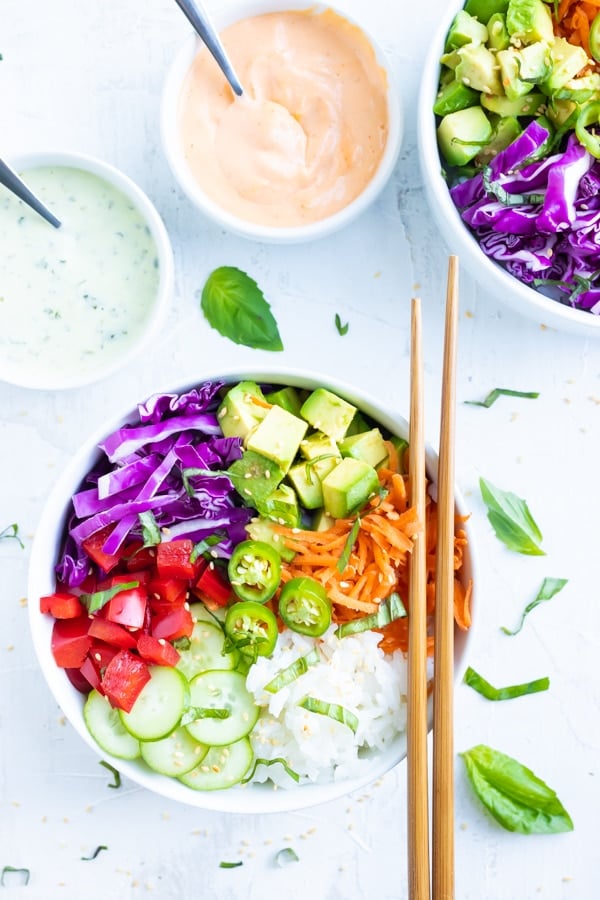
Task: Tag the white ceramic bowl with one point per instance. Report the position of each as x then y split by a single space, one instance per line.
48 539
47 375
172 144
491 276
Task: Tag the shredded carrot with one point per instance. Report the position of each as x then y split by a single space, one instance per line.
378 562
573 21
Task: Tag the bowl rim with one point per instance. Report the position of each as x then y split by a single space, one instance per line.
32 159
520 297
244 227
239 799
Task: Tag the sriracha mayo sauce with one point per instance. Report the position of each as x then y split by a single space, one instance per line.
310 130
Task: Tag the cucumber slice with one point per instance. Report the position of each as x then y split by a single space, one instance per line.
160 705
222 767
105 726
175 754
205 651
201 613
222 690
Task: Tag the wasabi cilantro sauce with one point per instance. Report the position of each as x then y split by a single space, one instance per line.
73 299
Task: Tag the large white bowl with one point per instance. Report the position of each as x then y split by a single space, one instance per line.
170 133
491 276
50 379
45 551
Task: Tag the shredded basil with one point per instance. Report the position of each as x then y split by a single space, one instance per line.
333 710
150 530
516 798
548 589
293 671
95 853
285 856
278 760
502 392
234 305
390 609
342 329
13 870
203 546
115 773
510 518
350 542
182 643
203 712
483 687
11 532
502 195
94 602
231 865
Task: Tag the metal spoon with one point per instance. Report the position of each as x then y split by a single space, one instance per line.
202 25
12 181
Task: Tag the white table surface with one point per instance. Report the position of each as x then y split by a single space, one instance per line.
88 76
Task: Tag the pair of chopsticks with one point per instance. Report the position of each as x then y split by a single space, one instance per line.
441 886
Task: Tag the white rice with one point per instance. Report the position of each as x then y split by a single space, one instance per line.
353 672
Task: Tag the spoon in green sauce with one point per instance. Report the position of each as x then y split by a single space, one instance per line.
14 183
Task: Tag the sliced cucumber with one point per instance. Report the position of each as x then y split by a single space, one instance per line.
175 754
223 691
222 767
105 726
201 613
205 651
160 705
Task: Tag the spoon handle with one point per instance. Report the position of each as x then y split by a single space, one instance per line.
12 181
203 27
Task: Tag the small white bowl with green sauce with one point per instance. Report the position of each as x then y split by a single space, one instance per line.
81 301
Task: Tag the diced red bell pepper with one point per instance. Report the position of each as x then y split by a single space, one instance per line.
173 559
70 641
213 586
174 624
170 590
93 547
112 633
124 678
157 651
79 680
96 661
62 605
128 607
137 557
89 673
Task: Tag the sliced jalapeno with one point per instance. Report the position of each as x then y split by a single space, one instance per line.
305 607
254 571
589 115
251 628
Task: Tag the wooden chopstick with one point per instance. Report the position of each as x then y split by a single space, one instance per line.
443 705
417 784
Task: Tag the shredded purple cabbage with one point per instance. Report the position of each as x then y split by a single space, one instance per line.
540 219
142 471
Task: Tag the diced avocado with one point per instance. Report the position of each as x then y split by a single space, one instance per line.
450 60
454 96
281 506
348 487
465 29
358 424
528 105
485 9
329 413
567 61
242 409
506 130
288 398
498 36
528 21
322 521
535 62
254 477
278 436
368 446
514 86
306 478
318 445
462 135
559 111
260 529
478 69
580 89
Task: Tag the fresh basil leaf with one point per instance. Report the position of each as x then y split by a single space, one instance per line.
235 306
347 549
95 853
278 760
293 671
202 712
286 855
502 392
487 690
94 602
516 798
150 530
13 870
341 329
11 532
115 773
390 609
231 865
510 518
332 710
549 587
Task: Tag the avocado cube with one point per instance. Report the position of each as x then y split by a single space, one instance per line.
485 9
260 529
288 398
528 105
535 62
278 436
322 521
453 96
567 61
242 409
498 36
327 412
318 445
478 69
306 478
348 487
506 131
529 21
368 446
514 86
281 506
254 477
465 29
462 135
